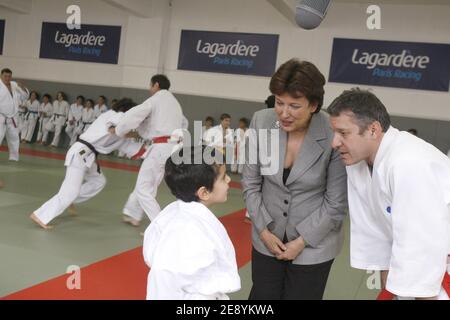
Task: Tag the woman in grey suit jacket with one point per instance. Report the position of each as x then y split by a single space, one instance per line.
297 212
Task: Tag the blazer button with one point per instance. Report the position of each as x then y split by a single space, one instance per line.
286 202
285 214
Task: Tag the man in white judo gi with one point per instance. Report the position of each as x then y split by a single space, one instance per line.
188 250
399 197
84 178
12 94
156 120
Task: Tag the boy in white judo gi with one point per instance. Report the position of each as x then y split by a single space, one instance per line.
188 250
399 197
156 120
12 94
58 120
84 178
74 119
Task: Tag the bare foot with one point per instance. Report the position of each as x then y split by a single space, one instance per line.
130 220
72 210
39 222
1 184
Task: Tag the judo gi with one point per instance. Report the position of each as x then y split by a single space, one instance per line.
400 214
156 120
83 178
58 120
9 107
45 113
98 110
189 254
73 121
31 119
239 155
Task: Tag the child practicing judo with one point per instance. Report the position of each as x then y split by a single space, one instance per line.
84 178
187 249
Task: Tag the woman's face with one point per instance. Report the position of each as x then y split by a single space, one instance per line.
294 114
33 96
59 96
46 100
89 104
80 101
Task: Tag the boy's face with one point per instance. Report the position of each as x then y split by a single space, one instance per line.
219 193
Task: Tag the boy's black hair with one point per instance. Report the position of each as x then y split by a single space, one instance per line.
6 70
186 178
49 97
123 105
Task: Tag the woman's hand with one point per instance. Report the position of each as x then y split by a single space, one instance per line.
294 248
272 243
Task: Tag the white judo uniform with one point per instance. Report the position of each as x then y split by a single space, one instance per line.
57 121
73 121
87 118
400 215
98 110
159 117
189 254
21 119
31 119
239 157
214 137
45 113
83 178
9 108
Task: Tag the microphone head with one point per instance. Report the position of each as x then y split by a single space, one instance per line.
310 13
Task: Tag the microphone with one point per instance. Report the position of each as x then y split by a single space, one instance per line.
310 13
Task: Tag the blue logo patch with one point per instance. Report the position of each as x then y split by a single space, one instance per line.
388 209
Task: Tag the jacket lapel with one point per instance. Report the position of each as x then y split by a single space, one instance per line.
309 152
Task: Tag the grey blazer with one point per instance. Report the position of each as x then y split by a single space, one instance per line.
313 202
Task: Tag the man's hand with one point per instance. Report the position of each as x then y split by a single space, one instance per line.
272 243
294 248
112 130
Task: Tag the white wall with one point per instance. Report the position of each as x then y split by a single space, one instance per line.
143 46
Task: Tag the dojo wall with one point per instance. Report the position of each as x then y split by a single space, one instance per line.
151 45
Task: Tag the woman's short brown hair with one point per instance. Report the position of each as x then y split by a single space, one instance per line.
298 78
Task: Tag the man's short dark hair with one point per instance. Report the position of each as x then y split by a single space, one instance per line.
224 116
162 80
123 105
103 97
366 107
185 179
6 70
48 96
297 78
209 118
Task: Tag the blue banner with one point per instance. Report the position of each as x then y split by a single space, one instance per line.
228 52
2 35
91 43
412 65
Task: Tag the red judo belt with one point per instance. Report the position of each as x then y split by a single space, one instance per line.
141 152
163 139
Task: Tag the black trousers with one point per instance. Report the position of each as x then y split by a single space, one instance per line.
283 280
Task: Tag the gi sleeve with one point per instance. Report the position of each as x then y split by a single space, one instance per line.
420 225
133 118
